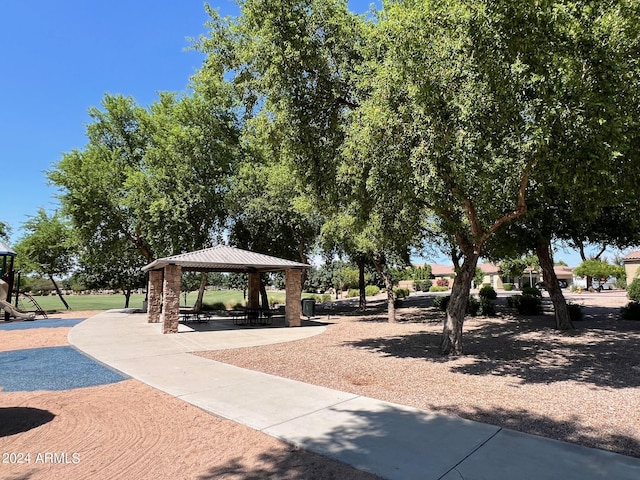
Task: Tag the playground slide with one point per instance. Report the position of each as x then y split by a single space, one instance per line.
7 307
14 312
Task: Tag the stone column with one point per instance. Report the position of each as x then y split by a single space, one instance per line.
253 300
171 298
154 296
293 307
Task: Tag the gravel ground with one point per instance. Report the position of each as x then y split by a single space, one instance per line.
128 430
581 386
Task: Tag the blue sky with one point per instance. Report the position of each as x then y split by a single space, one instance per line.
59 58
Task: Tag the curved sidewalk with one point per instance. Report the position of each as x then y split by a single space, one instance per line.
393 441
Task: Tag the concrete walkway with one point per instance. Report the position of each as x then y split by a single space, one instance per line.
393 441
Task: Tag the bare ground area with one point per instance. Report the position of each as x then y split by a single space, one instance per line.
128 430
581 386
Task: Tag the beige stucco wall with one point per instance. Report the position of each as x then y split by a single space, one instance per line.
631 268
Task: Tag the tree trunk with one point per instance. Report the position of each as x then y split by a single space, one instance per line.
203 285
127 297
55 285
563 320
362 304
264 299
451 343
388 285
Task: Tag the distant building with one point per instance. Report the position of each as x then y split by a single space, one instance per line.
631 265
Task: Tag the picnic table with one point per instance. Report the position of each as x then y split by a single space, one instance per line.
253 316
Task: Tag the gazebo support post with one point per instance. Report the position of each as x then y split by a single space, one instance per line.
154 290
253 300
293 305
171 298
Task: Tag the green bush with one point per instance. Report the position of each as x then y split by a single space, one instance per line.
488 292
371 290
575 312
533 291
473 306
631 311
422 285
353 292
401 292
526 304
507 286
437 288
441 302
324 298
487 307
633 291
214 306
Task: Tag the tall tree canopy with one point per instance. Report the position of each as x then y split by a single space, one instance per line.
150 179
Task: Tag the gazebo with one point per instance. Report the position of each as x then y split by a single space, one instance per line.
165 277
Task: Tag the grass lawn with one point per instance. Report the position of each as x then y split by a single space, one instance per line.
107 302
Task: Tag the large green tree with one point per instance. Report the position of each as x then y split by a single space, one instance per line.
47 248
149 180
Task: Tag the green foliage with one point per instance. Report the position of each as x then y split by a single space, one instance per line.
487 307
526 304
532 291
422 285
325 298
596 269
5 231
371 290
488 292
353 292
441 302
479 276
575 312
473 306
438 288
421 272
507 287
401 292
213 306
48 246
633 290
631 311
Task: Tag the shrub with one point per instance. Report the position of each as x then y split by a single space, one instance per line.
631 311
488 292
371 290
214 306
401 292
324 298
633 290
442 282
525 304
507 286
529 305
487 307
352 292
436 288
575 312
533 291
514 301
422 285
441 302
473 306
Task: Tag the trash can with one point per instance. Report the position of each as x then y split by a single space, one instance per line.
308 307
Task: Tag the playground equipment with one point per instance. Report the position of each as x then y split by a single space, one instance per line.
7 278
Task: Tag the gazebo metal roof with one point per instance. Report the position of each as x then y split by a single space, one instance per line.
6 251
226 259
